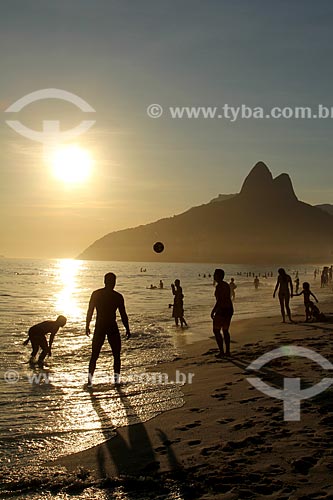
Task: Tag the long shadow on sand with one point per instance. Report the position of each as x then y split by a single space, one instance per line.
268 374
133 456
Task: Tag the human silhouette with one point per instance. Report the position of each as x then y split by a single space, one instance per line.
37 336
256 282
106 301
178 305
233 287
306 292
161 285
283 283
296 285
222 313
324 277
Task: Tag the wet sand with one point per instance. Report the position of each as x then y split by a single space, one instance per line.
229 439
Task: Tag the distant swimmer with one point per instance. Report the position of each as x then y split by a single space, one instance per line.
306 292
256 282
161 285
37 337
152 287
222 313
106 301
284 283
233 287
178 305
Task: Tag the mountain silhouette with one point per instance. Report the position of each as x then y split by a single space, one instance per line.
326 207
264 223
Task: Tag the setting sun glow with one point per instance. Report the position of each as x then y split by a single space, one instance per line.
71 164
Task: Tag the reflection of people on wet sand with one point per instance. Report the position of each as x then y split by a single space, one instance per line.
178 306
233 287
37 337
283 283
306 292
222 313
106 301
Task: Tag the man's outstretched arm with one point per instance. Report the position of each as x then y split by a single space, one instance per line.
124 318
90 313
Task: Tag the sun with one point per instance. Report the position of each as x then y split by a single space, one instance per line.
71 164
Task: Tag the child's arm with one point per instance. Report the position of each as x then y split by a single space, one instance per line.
298 294
313 295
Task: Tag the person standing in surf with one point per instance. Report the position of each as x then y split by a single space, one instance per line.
106 301
37 337
178 304
285 285
222 313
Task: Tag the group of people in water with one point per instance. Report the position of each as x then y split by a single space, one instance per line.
106 301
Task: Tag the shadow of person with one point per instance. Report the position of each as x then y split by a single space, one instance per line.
130 452
179 474
267 373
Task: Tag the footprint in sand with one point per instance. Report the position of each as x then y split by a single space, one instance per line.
197 410
209 450
243 425
225 420
189 426
303 465
249 400
161 450
220 396
194 442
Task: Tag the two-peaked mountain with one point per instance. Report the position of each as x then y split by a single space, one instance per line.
264 223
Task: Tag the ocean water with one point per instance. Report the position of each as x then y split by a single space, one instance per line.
49 413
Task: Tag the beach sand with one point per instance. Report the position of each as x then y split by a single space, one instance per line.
228 440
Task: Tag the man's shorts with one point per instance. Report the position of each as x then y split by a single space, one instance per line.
110 331
222 319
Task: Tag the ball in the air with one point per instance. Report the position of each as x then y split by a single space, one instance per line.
158 247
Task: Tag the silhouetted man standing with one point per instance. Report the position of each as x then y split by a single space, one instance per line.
106 301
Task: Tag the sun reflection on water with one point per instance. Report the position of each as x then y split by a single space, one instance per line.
67 271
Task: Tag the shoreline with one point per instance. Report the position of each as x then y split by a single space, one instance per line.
226 425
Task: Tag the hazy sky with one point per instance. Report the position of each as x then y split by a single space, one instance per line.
120 56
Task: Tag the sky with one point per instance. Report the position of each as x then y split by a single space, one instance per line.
122 56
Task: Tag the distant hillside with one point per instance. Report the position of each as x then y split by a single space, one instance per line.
222 197
326 207
264 223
